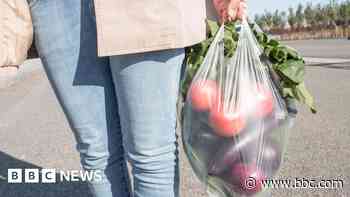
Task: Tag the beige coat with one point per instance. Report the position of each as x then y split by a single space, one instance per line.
133 26
16 32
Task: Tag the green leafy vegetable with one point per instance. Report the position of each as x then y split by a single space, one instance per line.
292 70
286 61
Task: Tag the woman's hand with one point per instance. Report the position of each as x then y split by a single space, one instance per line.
229 10
8 75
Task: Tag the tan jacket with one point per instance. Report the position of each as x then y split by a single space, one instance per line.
133 26
16 31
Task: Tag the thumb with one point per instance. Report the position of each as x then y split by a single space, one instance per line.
242 10
233 8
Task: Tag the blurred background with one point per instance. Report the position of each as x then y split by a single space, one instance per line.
298 19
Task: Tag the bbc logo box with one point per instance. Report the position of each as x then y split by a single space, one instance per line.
31 176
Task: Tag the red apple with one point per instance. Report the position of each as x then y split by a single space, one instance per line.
265 102
247 179
226 123
203 93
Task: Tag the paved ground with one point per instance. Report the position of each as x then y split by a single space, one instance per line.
33 131
323 48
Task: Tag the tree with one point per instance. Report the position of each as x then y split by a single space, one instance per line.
309 14
277 20
320 17
331 13
317 15
259 20
268 18
299 15
284 17
344 13
291 18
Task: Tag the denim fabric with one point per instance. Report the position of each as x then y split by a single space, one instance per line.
147 88
90 89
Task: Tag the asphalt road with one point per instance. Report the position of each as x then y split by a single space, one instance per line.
34 132
323 48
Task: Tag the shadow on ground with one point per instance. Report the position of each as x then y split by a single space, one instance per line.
66 189
342 65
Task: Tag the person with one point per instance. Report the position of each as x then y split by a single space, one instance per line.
115 67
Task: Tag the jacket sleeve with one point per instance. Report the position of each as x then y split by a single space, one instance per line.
16 32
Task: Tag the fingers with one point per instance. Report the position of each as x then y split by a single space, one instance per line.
229 10
224 16
237 9
220 6
242 10
232 9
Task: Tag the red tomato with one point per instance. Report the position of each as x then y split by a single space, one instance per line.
247 179
265 102
203 93
226 124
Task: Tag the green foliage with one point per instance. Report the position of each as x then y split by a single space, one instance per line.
286 62
292 20
195 54
299 15
333 13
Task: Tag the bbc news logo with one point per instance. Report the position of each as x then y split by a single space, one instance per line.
51 176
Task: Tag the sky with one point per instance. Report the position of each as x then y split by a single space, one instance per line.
258 6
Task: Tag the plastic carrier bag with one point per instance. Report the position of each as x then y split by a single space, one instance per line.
234 119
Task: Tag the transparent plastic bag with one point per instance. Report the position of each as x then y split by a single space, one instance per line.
234 120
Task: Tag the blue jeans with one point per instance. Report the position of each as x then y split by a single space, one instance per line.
119 108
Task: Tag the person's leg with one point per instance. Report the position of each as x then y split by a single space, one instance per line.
147 87
66 41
